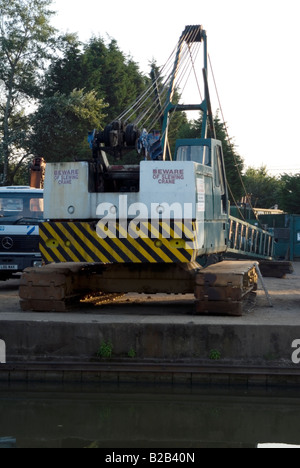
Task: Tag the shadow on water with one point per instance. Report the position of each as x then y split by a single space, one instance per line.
146 417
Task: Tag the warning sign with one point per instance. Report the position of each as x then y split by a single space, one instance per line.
168 176
200 195
66 177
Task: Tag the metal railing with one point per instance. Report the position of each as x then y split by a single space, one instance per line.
249 241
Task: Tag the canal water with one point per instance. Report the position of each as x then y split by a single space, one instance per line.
39 416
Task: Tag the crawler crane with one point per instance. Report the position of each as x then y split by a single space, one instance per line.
142 228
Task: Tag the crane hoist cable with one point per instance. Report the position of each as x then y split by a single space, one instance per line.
182 89
186 67
182 71
194 69
187 70
145 95
147 102
231 144
154 103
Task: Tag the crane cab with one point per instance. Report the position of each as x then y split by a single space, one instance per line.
208 156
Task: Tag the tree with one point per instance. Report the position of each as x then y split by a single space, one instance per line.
26 37
99 67
61 125
263 188
234 164
290 193
65 73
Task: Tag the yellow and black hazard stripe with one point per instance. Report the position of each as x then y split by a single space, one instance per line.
91 242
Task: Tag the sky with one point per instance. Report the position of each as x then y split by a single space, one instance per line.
254 50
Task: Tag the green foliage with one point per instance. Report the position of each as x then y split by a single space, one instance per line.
263 188
106 350
132 353
70 96
98 67
102 68
26 39
178 121
65 72
290 193
19 173
62 122
214 355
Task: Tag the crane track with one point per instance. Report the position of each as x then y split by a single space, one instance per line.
221 289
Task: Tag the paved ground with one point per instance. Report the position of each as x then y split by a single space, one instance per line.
155 327
285 295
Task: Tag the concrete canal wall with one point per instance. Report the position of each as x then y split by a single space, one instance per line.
159 332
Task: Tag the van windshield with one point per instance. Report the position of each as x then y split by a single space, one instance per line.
21 208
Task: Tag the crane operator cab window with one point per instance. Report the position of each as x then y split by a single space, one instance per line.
198 154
